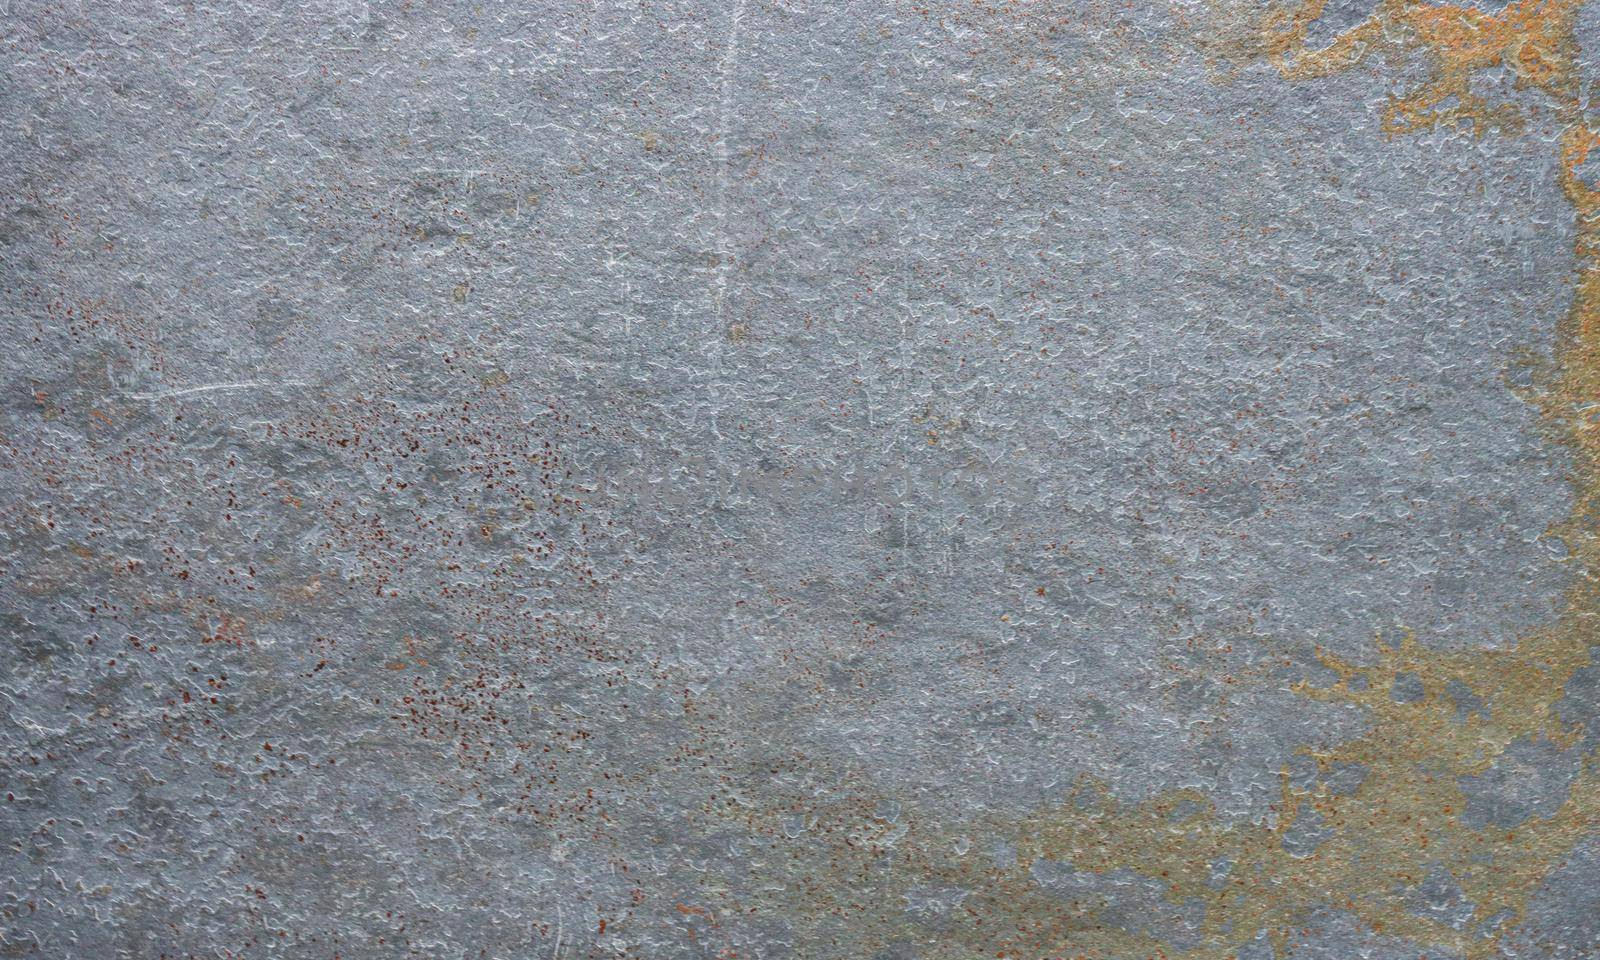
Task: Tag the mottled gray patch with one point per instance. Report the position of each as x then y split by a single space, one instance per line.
1126 900
1337 17
1407 688
1580 703
1532 778
1468 703
1306 833
1335 935
1564 914
1339 780
1439 897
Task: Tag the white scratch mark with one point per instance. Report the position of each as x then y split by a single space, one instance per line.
719 295
730 68
211 387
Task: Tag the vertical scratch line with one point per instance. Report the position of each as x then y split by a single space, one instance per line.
728 70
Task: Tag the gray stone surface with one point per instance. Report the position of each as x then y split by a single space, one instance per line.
468 467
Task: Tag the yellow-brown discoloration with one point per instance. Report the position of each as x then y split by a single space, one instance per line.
1532 39
1408 815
